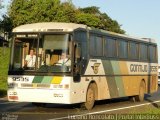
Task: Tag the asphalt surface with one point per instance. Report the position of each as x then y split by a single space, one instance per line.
27 111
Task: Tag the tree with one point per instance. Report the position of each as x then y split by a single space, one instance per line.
1 6
88 19
90 10
6 25
23 11
105 22
32 11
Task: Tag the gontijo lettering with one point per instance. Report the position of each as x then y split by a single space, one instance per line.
142 68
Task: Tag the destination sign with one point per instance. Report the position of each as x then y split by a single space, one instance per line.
26 35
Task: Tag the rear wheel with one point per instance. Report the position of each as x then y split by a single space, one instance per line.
90 97
140 97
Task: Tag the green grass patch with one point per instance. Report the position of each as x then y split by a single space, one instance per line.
144 113
4 63
3 86
153 111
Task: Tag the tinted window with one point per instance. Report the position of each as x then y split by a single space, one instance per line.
92 45
81 37
99 46
152 54
133 50
96 45
122 49
143 52
110 50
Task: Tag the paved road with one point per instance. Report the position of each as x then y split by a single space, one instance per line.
27 111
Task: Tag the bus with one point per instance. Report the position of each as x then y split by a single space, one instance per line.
103 65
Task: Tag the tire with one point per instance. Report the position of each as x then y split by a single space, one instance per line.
140 97
90 97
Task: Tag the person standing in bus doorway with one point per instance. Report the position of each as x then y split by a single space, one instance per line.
64 60
30 59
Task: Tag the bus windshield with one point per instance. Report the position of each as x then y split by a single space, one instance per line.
51 53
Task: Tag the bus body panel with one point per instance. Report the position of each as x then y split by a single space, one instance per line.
122 78
113 79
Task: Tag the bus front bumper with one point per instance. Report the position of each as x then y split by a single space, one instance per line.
40 95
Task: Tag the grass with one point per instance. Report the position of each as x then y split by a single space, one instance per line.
152 111
4 61
141 113
148 110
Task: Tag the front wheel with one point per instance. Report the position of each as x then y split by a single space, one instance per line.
90 97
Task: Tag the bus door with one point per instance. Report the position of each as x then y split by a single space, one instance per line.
77 62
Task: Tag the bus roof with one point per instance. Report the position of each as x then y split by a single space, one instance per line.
48 27
68 27
128 37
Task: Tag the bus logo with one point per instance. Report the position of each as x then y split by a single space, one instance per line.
95 67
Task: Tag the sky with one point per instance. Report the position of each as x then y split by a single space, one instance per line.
139 18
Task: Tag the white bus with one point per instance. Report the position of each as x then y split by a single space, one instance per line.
103 65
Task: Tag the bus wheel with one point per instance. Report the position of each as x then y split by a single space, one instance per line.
140 97
90 97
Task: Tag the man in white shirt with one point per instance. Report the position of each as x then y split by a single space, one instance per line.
30 59
64 60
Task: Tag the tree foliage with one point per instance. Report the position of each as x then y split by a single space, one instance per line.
6 25
32 11
105 22
1 6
